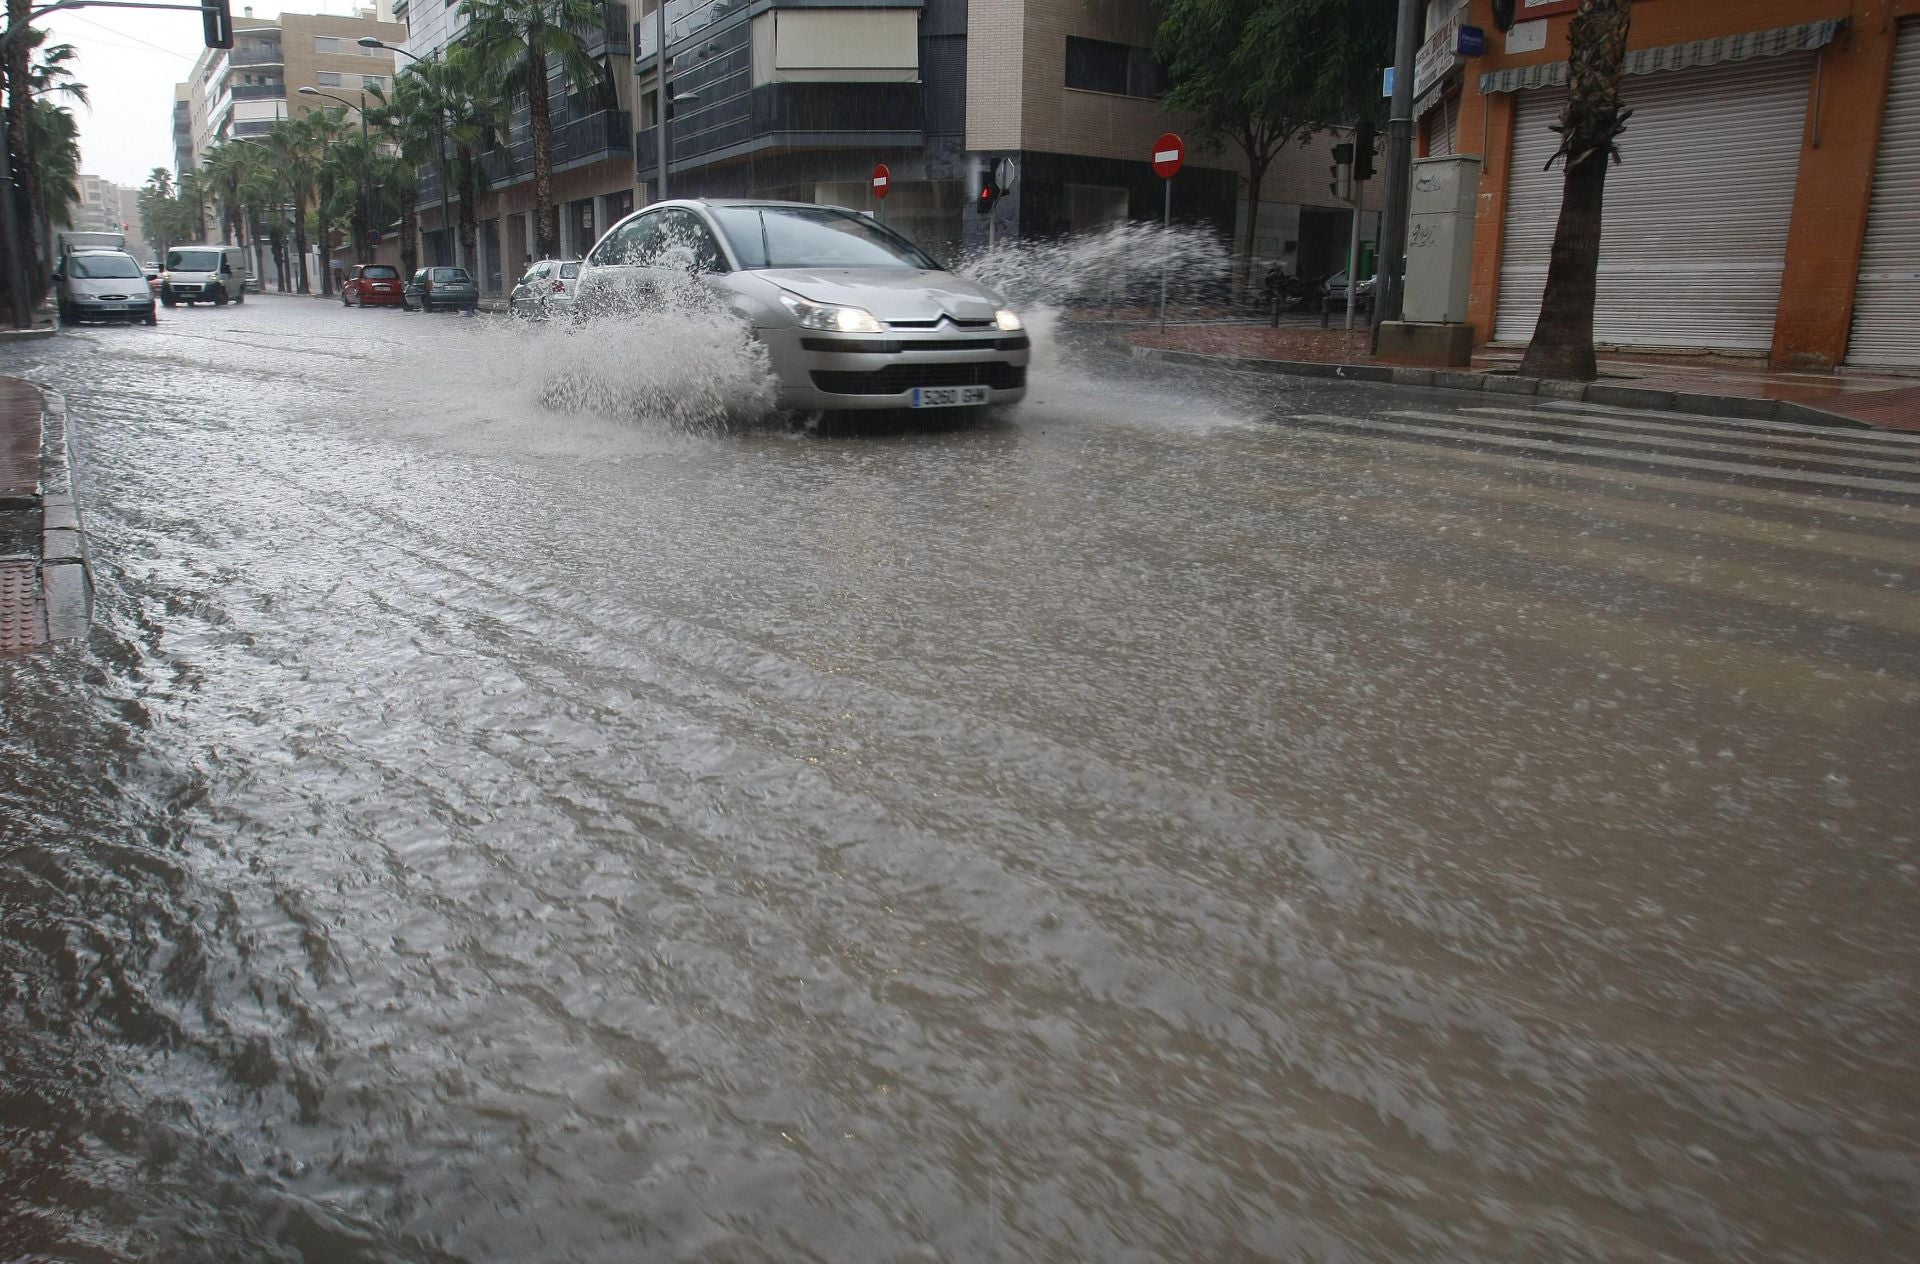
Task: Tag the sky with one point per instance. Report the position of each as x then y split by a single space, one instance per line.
130 62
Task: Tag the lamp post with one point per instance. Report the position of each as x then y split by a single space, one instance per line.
366 168
440 139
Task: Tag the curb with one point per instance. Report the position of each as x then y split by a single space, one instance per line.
66 566
1732 407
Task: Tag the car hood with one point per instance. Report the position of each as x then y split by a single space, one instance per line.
89 286
889 293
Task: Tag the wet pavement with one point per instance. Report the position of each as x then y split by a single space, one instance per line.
1192 818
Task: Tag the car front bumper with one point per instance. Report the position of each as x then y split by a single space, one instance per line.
110 309
869 372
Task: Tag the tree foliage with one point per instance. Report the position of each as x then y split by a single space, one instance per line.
1261 74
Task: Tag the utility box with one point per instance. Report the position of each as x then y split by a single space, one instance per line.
1440 240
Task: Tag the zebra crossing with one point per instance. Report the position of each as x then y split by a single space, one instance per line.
1777 558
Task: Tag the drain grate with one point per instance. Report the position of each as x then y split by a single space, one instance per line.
23 619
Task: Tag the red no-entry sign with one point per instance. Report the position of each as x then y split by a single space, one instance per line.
1169 152
882 180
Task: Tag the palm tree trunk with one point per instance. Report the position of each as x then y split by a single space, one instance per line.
300 244
19 103
469 224
409 229
326 244
1562 345
546 220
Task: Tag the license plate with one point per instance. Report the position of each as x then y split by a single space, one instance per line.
948 396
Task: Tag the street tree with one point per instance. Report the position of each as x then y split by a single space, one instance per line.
1263 74
414 128
518 42
225 169
295 159
1590 127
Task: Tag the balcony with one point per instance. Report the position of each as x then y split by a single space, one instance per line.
253 127
259 91
595 138
789 116
609 35
270 56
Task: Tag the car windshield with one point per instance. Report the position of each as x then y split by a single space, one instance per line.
814 237
448 274
380 272
104 266
193 260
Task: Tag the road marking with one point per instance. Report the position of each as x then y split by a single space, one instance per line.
1549 448
1819 541
1635 426
1864 435
1804 502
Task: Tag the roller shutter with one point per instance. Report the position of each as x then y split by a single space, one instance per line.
1694 239
1886 306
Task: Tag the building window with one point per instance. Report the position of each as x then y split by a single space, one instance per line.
326 44
327 78
374 81
1121 69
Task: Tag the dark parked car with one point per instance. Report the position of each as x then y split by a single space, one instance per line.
1337 293
443 289
372 285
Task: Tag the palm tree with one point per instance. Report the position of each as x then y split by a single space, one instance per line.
225 170
518 41
413 122
323 130
56 161
1590 129
296 163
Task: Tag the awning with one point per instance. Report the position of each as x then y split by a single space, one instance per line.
1777 42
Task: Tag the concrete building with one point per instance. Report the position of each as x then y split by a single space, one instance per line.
593 182
242 91
800 99
1766 204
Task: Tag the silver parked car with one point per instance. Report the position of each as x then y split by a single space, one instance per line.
102 285
546 290
853 315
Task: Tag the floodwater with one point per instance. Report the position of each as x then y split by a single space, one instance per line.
506 812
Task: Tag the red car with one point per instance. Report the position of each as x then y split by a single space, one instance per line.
373 285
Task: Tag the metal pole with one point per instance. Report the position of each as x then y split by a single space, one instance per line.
1353 265
1393 231
660 96
1166 236
366 178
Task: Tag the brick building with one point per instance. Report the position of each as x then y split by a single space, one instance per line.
1769 198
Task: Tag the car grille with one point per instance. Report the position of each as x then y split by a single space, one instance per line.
989 323
894 346
897 378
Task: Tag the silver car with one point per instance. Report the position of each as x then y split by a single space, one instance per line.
853 315
546 290
103 285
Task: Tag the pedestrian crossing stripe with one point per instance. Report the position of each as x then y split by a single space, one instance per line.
1804 502
1562 427
1788 444
1891 438
1546 447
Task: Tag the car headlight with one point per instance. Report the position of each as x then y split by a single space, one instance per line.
829 316
1007 319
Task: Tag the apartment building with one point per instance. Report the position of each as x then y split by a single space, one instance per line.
593 183
1766 200
242 91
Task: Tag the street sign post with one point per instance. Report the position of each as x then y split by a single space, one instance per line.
1169 155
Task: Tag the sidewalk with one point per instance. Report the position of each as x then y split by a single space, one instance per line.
1716 385
46 590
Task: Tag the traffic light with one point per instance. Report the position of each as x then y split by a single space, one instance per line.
988 196
1364 138
216 20
1342 172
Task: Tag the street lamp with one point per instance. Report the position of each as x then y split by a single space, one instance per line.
366 160
440 138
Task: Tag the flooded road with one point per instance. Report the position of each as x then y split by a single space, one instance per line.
1184 820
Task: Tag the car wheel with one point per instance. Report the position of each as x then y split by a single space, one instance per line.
241 297
151 318
219 298
168 302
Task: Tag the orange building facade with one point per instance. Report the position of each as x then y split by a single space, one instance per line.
1769 196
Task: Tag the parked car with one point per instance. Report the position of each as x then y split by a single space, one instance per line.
373 285
210 274
445 289
854 315
546 290
1336 290
102 285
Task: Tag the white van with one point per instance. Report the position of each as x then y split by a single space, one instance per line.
209 274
